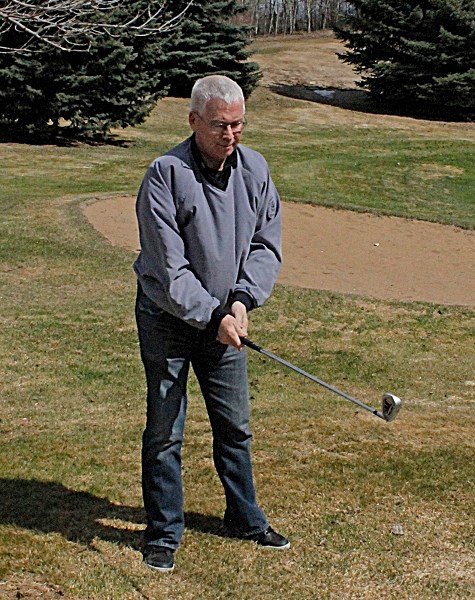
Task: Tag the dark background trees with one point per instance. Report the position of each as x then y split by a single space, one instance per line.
416 55
78 94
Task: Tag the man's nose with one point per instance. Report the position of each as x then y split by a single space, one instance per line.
228 131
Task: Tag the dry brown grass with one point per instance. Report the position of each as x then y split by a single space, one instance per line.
303 59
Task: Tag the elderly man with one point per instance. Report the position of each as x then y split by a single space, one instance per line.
210 232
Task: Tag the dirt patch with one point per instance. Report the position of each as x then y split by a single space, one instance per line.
344 251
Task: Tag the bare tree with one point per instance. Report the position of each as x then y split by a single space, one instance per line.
72 25
288 16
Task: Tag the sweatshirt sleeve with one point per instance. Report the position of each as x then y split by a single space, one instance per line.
162 267
263 262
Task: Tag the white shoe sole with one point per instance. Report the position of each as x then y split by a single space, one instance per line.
285 547
160 569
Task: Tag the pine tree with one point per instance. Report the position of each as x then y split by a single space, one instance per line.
415 54
208 42
117 83
114 84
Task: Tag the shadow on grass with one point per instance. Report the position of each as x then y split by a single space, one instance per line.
50 507
10 135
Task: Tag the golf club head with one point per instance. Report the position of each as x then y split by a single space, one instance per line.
390 406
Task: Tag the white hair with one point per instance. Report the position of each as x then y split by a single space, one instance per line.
214 86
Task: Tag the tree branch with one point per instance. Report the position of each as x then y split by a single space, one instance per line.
72 25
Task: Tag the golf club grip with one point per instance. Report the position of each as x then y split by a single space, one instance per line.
247 342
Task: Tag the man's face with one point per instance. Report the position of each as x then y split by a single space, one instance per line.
217 130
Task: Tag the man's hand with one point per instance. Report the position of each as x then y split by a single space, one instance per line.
234 326
239 312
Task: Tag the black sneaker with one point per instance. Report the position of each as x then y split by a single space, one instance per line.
159 558
271 539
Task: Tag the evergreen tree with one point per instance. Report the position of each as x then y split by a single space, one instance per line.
415 54
118 81
206 43
113 84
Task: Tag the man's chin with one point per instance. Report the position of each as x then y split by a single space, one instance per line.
228 150
222 156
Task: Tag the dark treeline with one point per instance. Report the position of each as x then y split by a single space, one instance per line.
271 17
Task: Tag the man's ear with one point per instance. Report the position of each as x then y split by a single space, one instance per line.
192 120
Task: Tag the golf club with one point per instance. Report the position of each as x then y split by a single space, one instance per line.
390 404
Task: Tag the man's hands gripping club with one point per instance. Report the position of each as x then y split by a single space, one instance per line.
234 326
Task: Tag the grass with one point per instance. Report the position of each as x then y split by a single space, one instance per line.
331 476
389 170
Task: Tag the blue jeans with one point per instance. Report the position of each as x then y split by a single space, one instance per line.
168 346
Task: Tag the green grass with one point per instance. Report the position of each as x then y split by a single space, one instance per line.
387 174
416 172
331 476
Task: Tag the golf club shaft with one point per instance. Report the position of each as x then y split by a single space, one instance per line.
247 342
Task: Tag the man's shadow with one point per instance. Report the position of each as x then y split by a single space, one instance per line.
80 517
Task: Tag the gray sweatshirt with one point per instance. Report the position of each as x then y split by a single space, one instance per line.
201 245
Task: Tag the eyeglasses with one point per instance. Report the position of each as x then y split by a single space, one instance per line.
221 126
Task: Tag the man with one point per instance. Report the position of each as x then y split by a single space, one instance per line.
210 232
